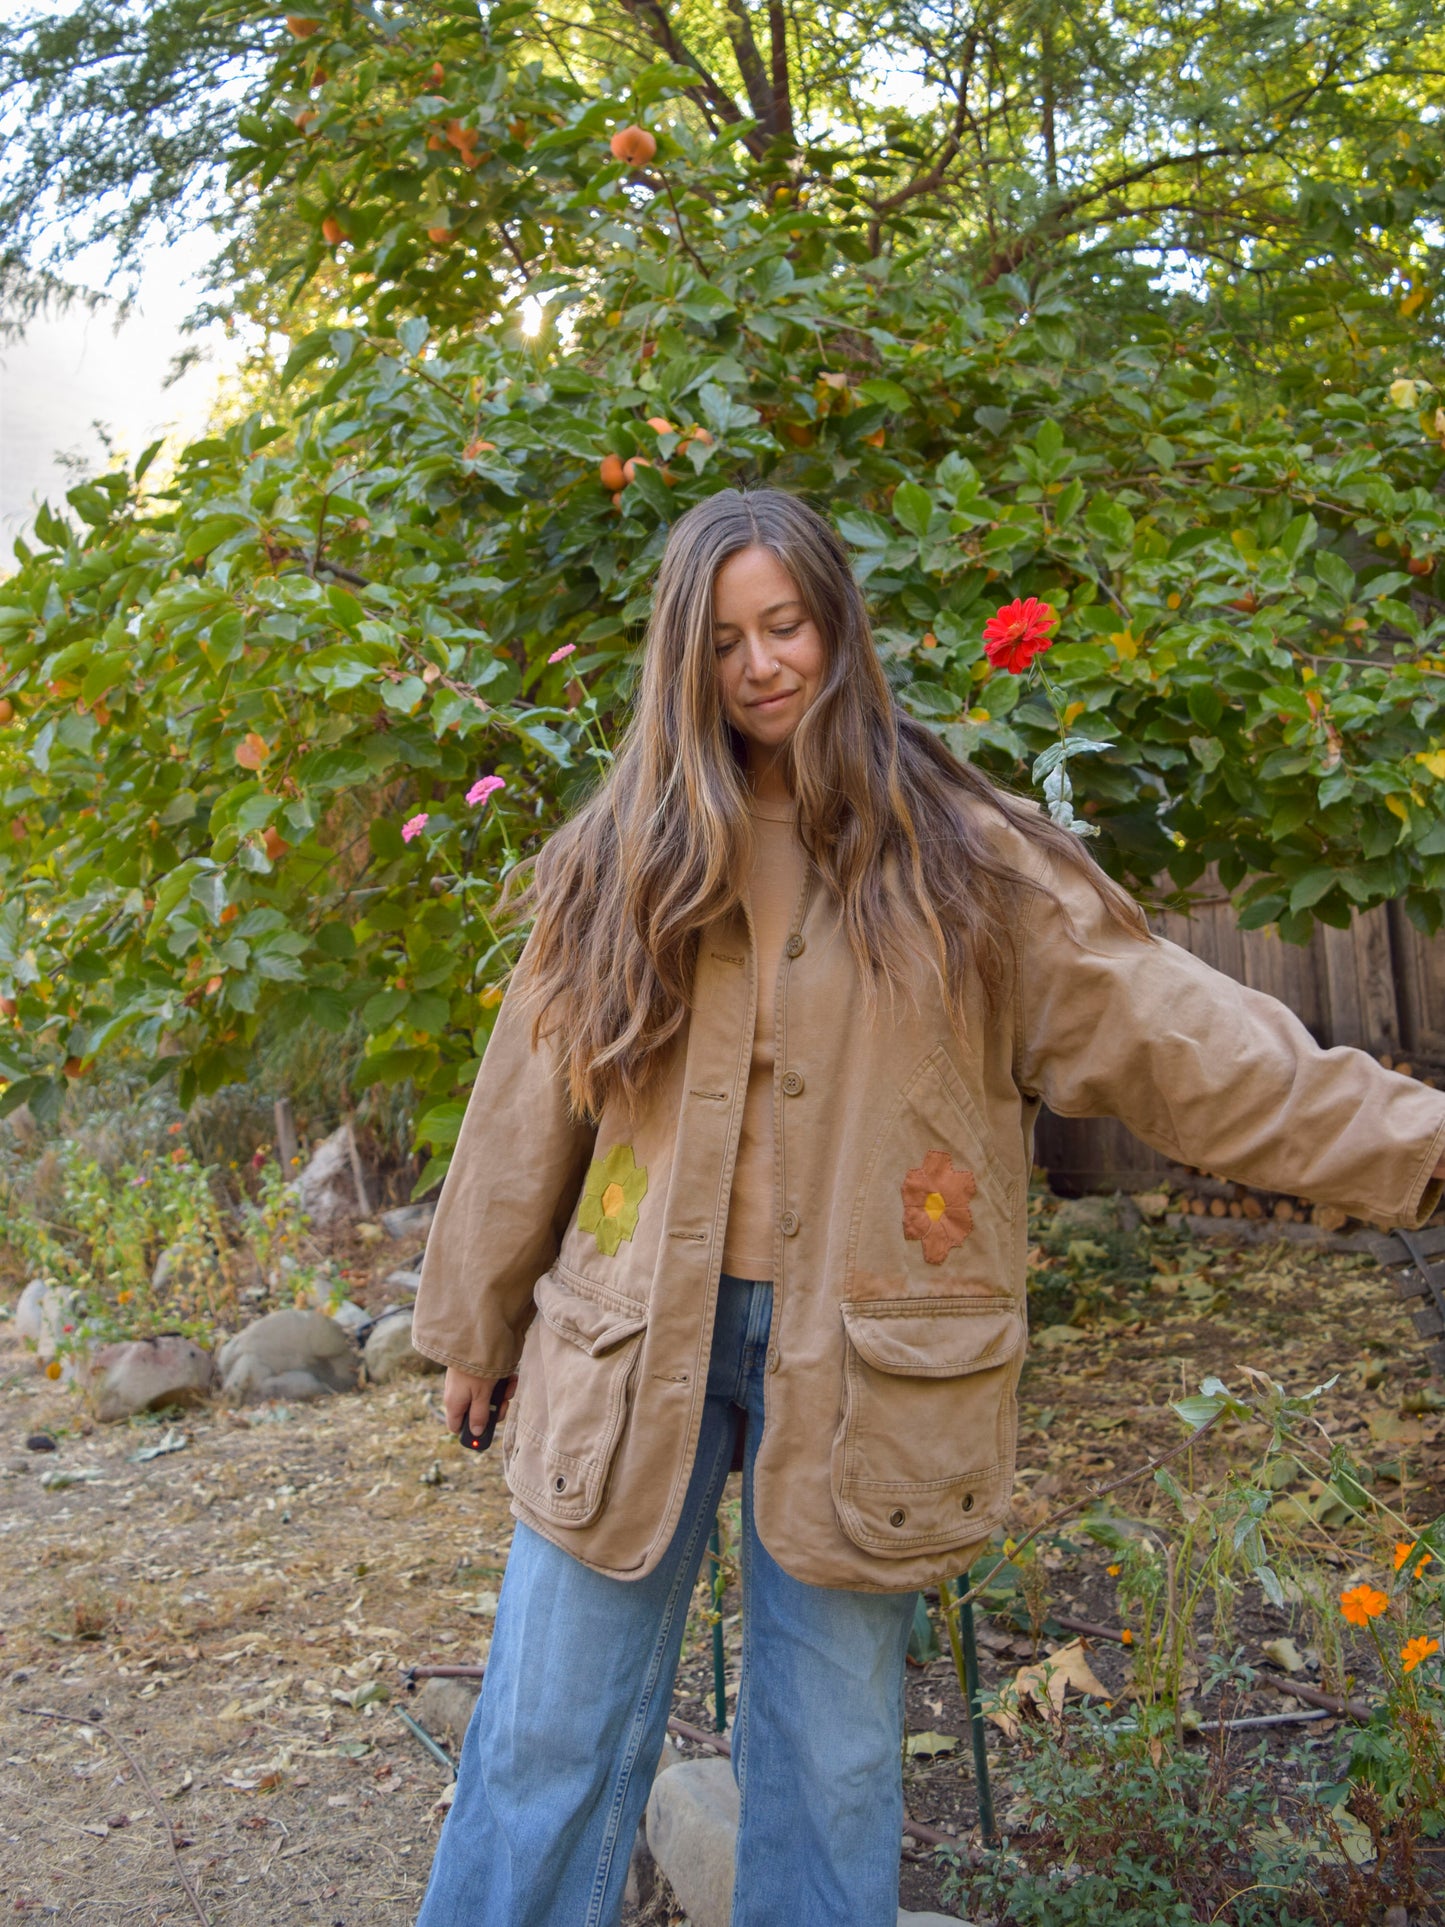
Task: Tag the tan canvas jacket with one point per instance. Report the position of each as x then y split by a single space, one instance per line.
588 1261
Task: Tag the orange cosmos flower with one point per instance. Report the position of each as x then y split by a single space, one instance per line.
1415 1650
1404 1551
1361 1604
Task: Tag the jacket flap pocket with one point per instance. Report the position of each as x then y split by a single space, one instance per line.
588 1323
934 1337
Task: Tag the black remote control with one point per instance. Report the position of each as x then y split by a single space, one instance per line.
479 1441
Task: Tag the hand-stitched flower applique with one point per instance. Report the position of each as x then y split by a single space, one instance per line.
615 1187
935 1206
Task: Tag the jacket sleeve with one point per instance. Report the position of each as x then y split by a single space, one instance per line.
507 1198
1209 1072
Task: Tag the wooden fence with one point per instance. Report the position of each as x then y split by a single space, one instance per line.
1379 985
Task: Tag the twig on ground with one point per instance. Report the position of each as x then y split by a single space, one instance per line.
1312 1696
100 1726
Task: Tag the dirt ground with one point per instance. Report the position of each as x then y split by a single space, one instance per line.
241 1610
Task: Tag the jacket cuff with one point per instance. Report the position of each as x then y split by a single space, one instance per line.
1422 1200
467 1365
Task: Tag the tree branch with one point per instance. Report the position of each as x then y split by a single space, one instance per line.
782 86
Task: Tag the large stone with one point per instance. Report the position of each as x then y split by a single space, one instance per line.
390 1353
142 1373
180 1268
62 1323
444 1707
692 1828
27 1312
1095 1217
326 1187
692 1831
408 1220
290 1355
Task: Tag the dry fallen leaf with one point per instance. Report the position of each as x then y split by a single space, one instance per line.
1045 1683
1285 1654
928 1746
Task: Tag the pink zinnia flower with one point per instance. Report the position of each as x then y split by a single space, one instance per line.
484 787
566 650
414 826
1018 633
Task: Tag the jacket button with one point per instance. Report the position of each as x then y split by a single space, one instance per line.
792 1082
897 1517
772 1358
794 945
788 1223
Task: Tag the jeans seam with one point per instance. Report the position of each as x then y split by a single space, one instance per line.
639 1718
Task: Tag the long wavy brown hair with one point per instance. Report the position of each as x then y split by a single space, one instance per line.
621 892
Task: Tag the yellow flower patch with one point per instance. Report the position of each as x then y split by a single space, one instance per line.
614 1188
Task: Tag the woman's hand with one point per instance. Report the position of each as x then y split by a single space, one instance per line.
465 1397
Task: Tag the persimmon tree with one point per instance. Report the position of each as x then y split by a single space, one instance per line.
279 728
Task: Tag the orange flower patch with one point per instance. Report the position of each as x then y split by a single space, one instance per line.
1415 1650
1404 1550
1361 1604
935 1206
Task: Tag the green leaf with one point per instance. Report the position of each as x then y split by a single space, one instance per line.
211 533
1311 887
913 507
310 348
879 388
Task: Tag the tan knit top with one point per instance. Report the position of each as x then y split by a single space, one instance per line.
773 888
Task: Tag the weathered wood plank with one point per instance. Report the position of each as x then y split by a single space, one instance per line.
1419 970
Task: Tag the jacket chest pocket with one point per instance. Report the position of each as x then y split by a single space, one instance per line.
923 1455
574 1383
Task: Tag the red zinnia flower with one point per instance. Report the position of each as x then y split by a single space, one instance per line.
1018 633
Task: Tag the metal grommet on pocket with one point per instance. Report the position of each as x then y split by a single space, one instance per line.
792 1082
967 1502
794 945
897 1516
788 1223
559 1484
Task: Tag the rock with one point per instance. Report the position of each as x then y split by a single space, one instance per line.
181 1267
407 1281
27 1312
692 1825
349 1316
1095 1217
326 1187
1151 1204
288 1354
41 1442
444 1707
60 1315
692 1829
390 1353
142 1373
408 1220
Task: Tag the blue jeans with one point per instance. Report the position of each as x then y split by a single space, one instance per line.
558 1760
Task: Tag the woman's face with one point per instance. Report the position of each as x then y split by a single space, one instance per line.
769 653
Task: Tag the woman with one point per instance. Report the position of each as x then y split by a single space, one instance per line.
705 1178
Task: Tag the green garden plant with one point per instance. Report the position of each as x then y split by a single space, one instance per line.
277 734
